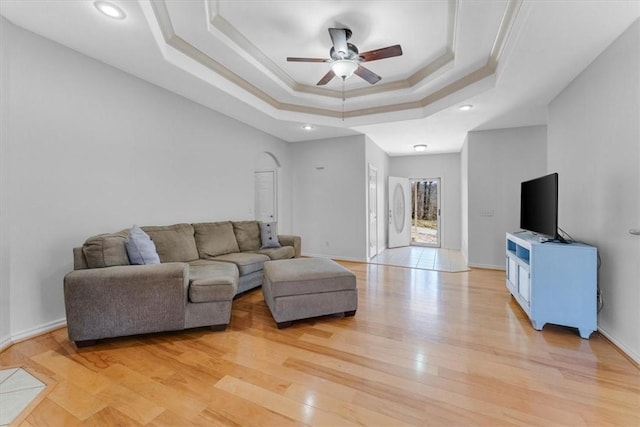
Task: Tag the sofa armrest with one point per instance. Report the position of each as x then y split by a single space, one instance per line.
290 240
125 300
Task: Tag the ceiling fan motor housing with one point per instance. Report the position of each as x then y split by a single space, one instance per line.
352 53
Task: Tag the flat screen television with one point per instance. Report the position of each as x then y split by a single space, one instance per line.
539 206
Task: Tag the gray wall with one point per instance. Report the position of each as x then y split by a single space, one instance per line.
594 144
88 149
329 193
498 161
5 265
446 167
464 199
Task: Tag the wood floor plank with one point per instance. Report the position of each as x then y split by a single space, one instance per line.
294 376
50 414
227 408
301 412
67 368
344 409
129 404
178 401
110 416
76 401
425 348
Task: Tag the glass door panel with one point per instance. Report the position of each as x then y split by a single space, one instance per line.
425 213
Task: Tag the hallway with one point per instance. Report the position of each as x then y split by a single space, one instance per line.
425 258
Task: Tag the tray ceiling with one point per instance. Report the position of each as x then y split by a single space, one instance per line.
508 58
446 48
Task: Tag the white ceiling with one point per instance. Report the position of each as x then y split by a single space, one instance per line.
508 58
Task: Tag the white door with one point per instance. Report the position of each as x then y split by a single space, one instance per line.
265 196
373 211
399 212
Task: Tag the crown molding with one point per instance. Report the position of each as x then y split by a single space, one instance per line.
250 52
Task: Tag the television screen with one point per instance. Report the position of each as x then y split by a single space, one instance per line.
539 205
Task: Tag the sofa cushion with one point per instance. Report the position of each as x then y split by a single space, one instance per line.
212 281
174 243
215 238
246 262
247 235
140 248
106 250
283 252
269 235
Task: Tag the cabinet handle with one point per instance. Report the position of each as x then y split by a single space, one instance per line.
635 231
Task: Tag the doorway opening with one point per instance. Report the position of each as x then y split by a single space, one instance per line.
265 178
425 212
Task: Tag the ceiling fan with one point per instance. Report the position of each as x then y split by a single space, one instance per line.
345 59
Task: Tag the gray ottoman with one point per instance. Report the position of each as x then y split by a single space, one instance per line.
300 288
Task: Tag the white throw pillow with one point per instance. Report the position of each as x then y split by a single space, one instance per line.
140 248
269 235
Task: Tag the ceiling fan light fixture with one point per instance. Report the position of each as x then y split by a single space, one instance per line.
344 68
420 147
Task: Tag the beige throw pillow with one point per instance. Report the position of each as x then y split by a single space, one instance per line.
106 250
174 243
215 238
247 235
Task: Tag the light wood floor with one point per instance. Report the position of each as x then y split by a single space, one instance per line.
425 348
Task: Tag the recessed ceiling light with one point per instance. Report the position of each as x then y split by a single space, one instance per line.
420 147
308 127
465 107
110 9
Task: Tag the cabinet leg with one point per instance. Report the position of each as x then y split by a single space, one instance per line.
585 333
537 325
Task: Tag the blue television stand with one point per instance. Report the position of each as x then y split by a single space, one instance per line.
553 282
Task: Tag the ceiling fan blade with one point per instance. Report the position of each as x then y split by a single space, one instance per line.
326 79
367 74
385 52
290 59
339 40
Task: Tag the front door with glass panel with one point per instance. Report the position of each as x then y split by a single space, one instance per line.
399 212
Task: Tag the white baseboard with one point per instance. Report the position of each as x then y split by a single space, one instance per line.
33 332
626 350
341 258
5 343
488 266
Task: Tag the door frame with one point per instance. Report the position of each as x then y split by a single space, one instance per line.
372 212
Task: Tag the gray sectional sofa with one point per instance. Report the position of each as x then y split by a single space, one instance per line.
202 267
